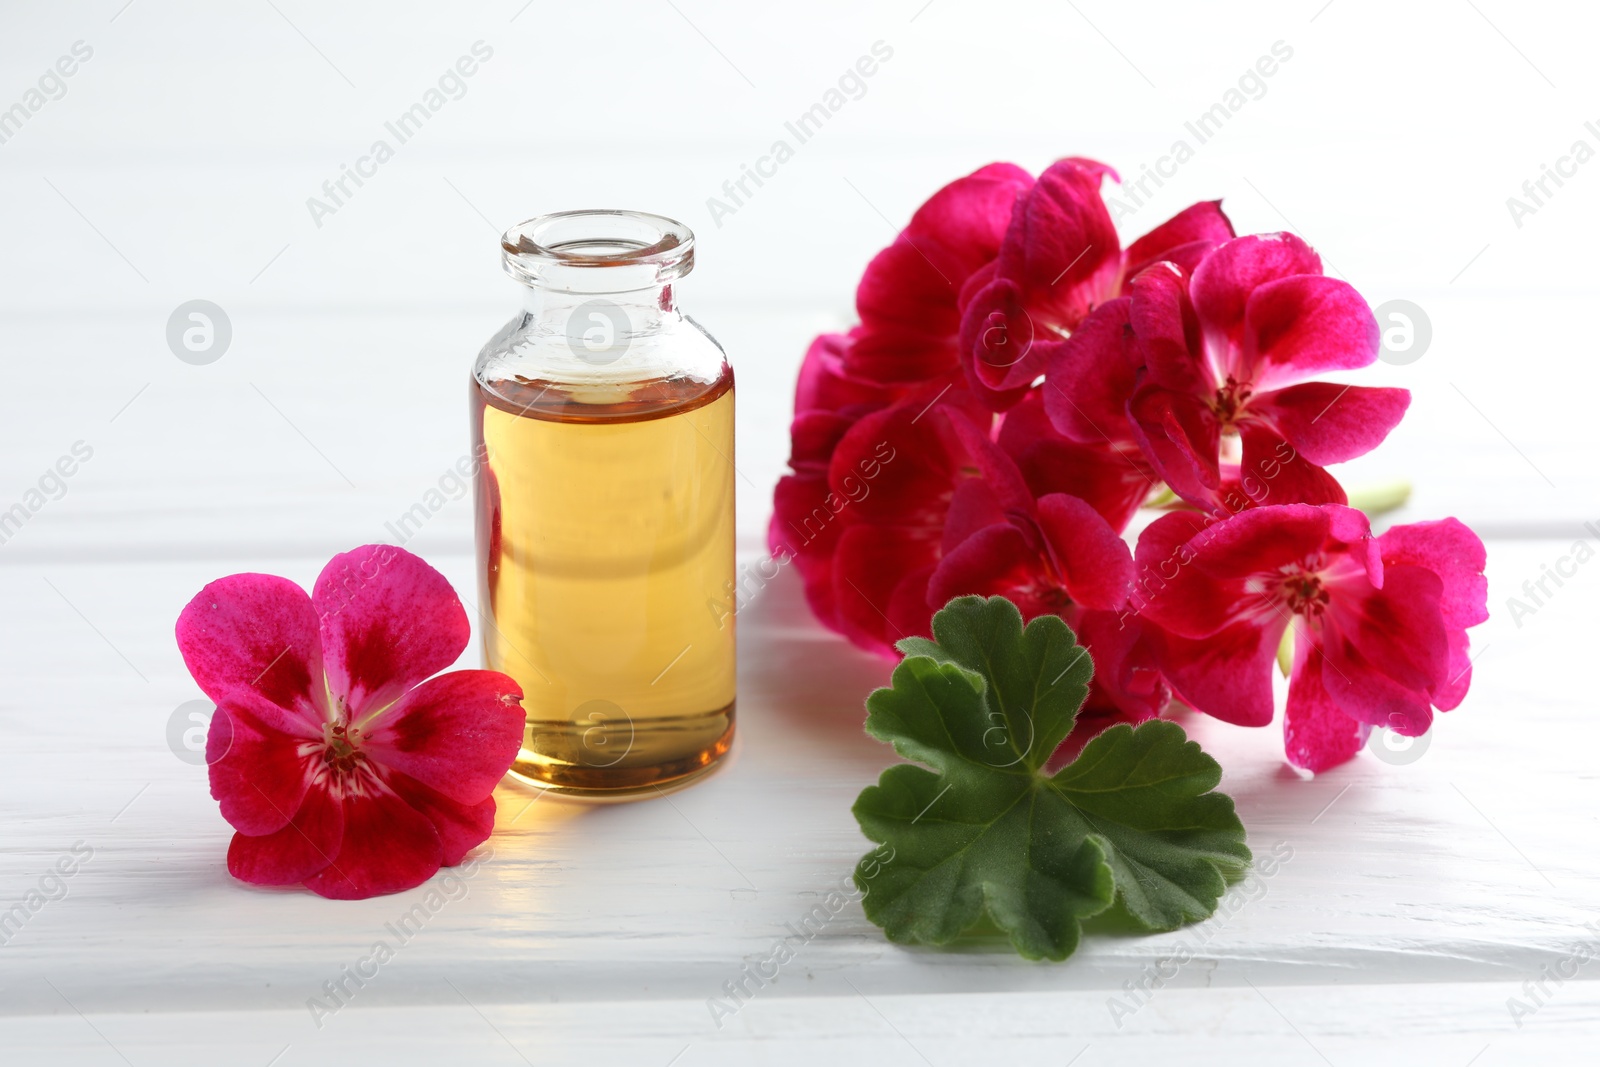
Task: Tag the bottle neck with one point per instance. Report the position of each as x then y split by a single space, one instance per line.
572 314
607 333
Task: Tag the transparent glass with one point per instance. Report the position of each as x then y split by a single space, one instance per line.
603 420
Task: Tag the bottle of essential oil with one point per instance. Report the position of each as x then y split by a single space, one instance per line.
603 418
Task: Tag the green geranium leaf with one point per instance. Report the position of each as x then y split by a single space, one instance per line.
987 836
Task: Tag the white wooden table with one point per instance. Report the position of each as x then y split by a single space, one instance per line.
1419 897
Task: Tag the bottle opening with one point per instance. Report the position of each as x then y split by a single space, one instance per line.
597 251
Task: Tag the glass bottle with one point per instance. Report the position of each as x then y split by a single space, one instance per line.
603 422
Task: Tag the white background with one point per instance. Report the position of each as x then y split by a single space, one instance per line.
177 166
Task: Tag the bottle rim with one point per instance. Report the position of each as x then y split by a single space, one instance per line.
597 250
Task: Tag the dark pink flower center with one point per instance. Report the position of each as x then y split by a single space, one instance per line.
341 748
1305 595
1230 400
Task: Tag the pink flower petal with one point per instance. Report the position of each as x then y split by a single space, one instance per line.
908 296
1062 247
1186 257
1197 587
814 435
897 355
1002 348
1227 675
1114 480
1387 649
1328 423
1162 318
825 386
897 466
961 226
910 614
1127 684
1090 375
805 527
1399 629
997 560
994 467
1316 734
1224 281
388 846
1263 541
257 631
909 319
1198 226
296 852
1272 472
388 621
869 567
1180 436
1367 695
1453 552
1162 555
1299 327
1094 563
803 518
259 774
1451 690
461 827
457 733
909 293
1351 531
972 508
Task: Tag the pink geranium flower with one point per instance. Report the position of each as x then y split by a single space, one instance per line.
1222 409
1379 622
995 263
335 755
1059 260
909 294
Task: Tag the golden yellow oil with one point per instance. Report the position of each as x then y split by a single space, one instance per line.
605 525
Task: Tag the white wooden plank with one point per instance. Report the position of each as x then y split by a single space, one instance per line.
1438 1025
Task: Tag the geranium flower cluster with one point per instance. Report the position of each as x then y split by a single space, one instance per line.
1020 384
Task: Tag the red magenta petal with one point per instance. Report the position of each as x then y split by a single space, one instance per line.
1224 281
461 827
388 846
1094 563
388 621
257 631
1317 735
1303 326
296 852
1090 375
870 565
1271 471
259 774
1114 480
1062 247
1328 423
1227 675
1197 228
457 733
